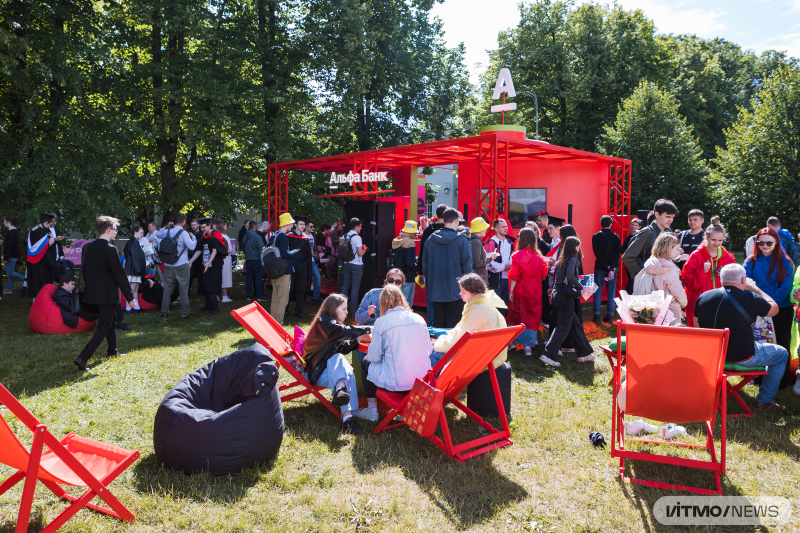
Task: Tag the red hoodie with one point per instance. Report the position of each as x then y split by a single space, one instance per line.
696 281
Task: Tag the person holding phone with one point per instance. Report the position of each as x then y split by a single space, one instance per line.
480 259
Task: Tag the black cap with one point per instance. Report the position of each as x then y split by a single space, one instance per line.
206 221
44 217
555 221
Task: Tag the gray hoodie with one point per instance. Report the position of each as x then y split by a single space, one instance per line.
447 257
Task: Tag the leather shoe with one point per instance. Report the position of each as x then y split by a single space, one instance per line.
770 405
608 319
81 364
340 396
214 312
351 427
123 327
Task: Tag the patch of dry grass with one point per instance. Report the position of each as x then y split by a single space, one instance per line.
551 479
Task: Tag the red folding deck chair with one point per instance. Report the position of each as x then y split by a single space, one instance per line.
73 460
747 374
277 340
470 356
672 375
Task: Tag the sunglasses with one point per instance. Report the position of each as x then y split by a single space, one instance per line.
395 281
768 244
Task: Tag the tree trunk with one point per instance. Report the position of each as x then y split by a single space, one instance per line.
267 33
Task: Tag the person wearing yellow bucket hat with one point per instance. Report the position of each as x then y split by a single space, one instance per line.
282 284
404 257
480 259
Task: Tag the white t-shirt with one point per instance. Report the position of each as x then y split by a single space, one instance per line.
355 244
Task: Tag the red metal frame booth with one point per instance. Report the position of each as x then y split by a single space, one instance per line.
585 184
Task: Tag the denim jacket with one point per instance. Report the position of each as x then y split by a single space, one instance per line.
373 297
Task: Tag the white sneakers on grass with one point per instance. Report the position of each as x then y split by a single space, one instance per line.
637 427
670 431
368 413
586 359
528 351
546 360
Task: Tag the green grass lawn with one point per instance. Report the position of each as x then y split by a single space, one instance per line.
551 479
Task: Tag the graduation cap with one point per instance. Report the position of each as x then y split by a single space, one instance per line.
44 217
555 221
206 221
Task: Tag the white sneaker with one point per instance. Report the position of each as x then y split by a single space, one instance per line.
368 414
670 431
796 388
568 350
560 354
639 426
589 358
546 360
226 299
528 351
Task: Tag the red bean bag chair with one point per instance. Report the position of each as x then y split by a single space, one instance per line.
143 305
45 316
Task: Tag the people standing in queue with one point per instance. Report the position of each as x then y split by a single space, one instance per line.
404 248
633 228
282 284
480 259
434 224
211 251
301 278
353 270
701 272
498 269
104 278
178 273
528 269
605 244
196 272
253 246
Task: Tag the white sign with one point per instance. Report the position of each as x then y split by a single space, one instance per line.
365 176
504 85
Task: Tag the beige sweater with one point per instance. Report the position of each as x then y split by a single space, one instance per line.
667 277
480 314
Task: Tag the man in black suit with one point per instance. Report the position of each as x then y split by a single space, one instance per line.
104 278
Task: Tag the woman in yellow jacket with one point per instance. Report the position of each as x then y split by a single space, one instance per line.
480 314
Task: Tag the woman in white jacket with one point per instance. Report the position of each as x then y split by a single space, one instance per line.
399 352
660 273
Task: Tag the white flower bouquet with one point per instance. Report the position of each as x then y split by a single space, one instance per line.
650 308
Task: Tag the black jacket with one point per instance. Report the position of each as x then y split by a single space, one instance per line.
606 248
103 275
303 257
325 338
11 248
68 303
425 234
135 261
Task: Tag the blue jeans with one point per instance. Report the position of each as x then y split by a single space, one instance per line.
430 308
253 277
611 289
408 292
12 274
317 279
339 369
774 357
527 337
435 357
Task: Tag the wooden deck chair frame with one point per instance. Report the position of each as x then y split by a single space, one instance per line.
733 390
65 461
719 398
277 340
451 383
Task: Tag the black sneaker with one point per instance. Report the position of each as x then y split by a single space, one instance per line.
124 327
81 364
204 308
213 312
596 319
608 319
340 397
351 427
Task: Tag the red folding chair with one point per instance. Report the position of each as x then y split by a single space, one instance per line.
277 340
471 355
672 375
747 374
73 460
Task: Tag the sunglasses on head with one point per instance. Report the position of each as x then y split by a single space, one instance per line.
768 244
394 280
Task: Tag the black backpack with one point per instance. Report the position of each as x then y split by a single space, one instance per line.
168 248
272 263
396 259
346 252
66 268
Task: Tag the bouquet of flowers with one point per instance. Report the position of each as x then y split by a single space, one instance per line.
650 308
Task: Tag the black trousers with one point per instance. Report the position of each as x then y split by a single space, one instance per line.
106 329
567 326
211 301
298 289
447 314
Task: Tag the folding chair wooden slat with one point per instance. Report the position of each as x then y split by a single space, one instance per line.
266 330
73 460
672 375
471 355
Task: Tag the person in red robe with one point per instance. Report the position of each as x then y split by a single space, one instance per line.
701 271
528 269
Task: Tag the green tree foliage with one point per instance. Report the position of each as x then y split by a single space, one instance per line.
758 174
666 158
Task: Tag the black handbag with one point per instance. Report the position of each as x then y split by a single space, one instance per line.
571 290
85 311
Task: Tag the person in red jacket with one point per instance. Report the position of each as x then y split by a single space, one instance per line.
701 271
528 269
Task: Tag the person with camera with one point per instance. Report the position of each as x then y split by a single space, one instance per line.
178 270
104 278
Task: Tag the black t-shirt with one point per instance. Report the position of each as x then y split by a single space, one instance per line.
715 311
689 243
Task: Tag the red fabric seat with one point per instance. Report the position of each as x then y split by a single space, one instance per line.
45 316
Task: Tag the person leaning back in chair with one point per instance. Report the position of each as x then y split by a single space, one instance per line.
733 307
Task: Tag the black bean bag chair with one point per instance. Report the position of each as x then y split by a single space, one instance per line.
223 417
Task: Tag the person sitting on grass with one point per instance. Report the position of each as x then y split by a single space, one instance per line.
369 311
66 299
327 343
480 314
399 351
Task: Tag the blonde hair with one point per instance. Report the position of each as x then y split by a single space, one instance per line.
391 297
663 246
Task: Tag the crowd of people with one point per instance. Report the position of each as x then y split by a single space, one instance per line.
535 278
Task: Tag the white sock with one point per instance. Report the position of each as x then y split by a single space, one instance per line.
346 414
372 403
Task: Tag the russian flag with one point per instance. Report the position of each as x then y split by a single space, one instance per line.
37 251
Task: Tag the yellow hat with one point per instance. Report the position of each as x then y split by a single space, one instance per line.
478 224
410 227
285 219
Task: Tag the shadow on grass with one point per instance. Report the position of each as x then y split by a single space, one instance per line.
468 493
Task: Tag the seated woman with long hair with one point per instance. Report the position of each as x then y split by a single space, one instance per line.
399 352
326 352
480 314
